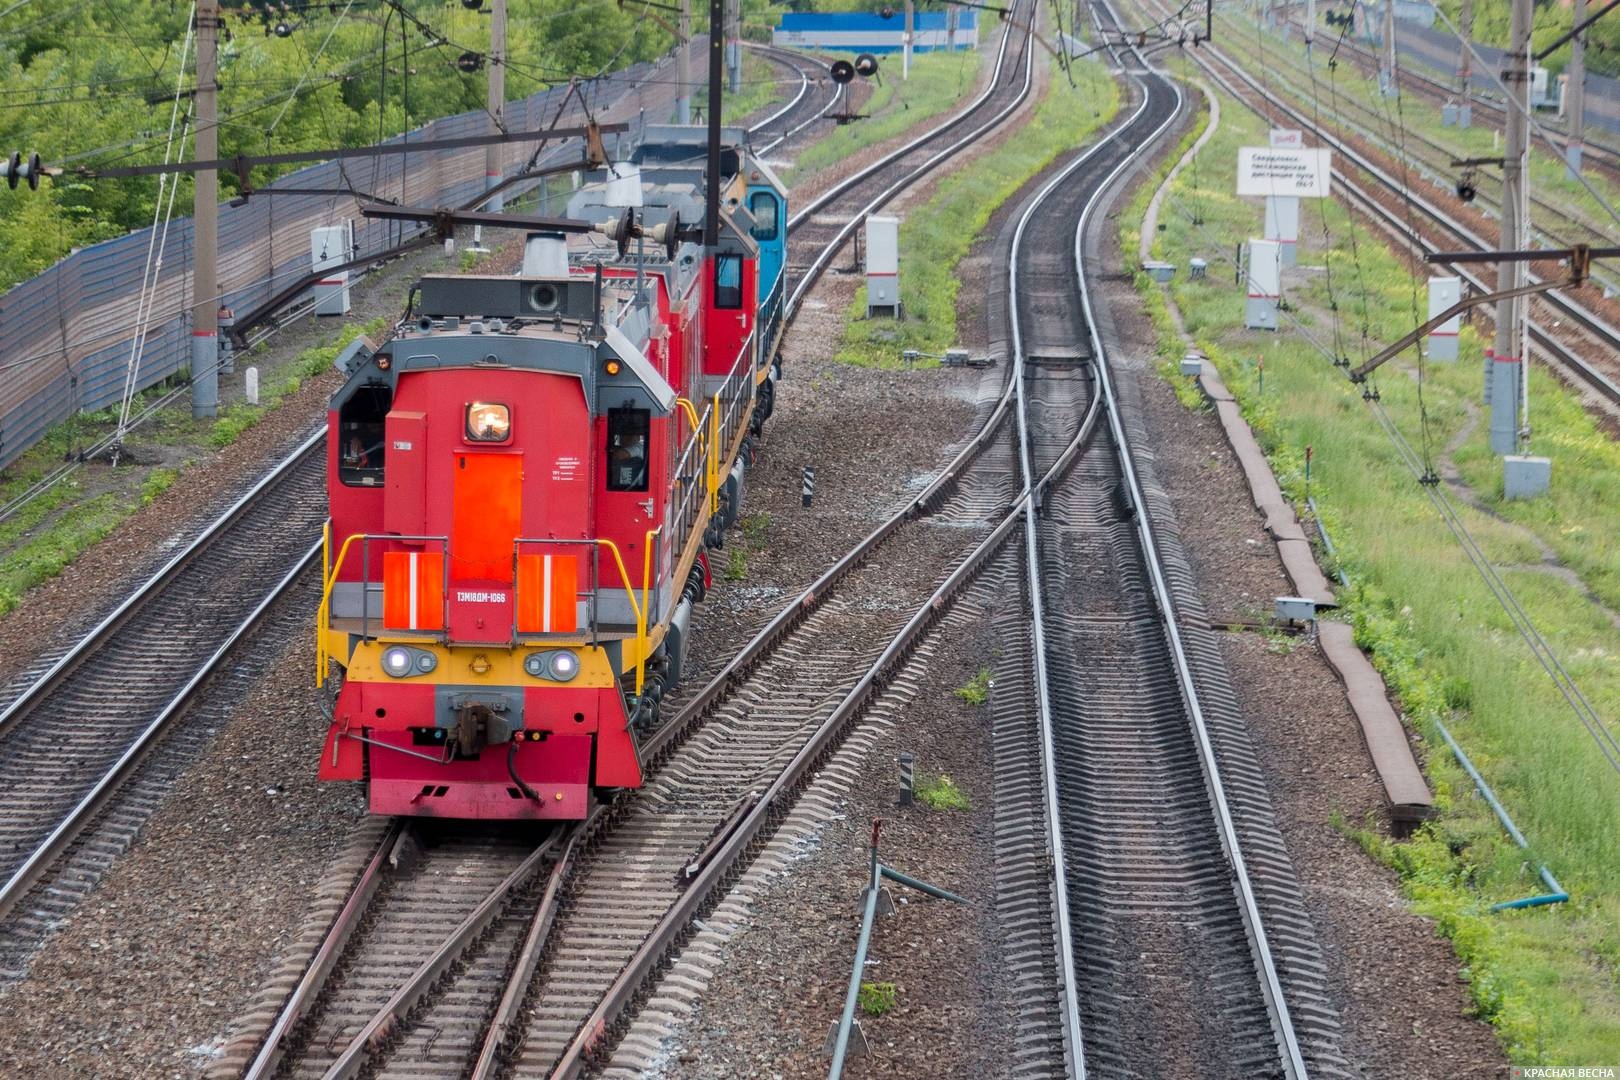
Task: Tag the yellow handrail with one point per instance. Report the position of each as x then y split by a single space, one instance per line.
645 611
323 613
691 416
630 591
712 457
326 570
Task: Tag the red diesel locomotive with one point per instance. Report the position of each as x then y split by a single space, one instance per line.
522 483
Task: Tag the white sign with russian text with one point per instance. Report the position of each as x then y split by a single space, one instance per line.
1304 173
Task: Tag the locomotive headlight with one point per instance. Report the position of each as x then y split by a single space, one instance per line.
488 422
397 661
559 666
564 666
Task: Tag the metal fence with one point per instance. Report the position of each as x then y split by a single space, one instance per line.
66 336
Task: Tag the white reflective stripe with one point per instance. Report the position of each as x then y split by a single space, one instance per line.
411 624
545 594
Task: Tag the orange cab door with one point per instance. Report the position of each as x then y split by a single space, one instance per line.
486 514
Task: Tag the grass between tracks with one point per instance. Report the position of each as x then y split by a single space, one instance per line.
1548 978
936 236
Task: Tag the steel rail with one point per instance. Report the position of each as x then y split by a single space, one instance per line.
1582 369
755 824
1369 60
534 944
70 827
1292 1058
813 273
357 1054
793 61
337 935
96 637
1069 990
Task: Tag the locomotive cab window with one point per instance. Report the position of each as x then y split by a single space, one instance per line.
763 205
728 281
360 432
627 449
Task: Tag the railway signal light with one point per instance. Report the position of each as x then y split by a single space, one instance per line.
469 62
843 71
1466 190
866 65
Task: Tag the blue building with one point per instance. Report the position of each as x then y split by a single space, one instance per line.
871 32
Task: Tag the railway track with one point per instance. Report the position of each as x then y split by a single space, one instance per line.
1181 937
1431 160
1576 341
623 888
82 731
810 103
1605 156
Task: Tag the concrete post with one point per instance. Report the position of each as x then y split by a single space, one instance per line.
1282 225
683 66
1465 25
1387 79
1575 101
495 101
1507 370
205 235
905 42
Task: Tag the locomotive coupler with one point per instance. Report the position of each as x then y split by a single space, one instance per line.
479 724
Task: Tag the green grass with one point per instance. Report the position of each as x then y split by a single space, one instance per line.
1550 179
936 236
47 554
156 483
976 691
46 536
938 82
941 793
736 565
756 529
877 998
760 87
1548 978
